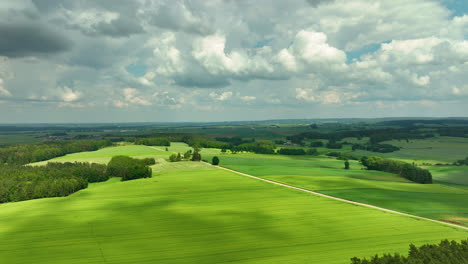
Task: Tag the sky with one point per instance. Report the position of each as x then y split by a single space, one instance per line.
79 61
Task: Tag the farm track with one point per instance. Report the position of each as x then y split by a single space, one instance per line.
339 199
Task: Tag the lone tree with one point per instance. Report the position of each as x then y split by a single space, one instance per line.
215 161
196 156
346 165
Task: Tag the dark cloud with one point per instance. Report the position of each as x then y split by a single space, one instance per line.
122 27
180 17
19 40
200 81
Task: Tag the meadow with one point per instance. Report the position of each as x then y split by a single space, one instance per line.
191 212
103 156
430 150
326 175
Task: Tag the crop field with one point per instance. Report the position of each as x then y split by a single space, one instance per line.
194 213
431 150
450 174
437 201
104 155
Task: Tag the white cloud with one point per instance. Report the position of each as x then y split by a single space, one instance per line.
221 96
68 95
131 96
248 98
119 104
3 90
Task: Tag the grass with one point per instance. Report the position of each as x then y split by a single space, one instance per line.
193 213
450 174
431 150
104 155
437 201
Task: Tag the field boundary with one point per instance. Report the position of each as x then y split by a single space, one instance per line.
338 199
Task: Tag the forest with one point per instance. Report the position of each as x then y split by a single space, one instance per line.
446 252
25 154
19 183
406 170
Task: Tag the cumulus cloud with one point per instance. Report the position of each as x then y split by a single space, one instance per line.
131 96
68 95
221 96
3 90
344 54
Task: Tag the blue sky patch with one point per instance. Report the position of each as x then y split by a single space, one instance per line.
138 70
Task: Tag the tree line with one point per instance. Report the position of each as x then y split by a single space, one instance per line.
406 170
19 183
24 154
446 252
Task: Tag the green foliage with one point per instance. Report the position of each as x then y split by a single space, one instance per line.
446 252
291 151
215 161
381 148
346 165
153 141
196 156
173 158
24 154
262 147
188 154
19 183
462 162
128 168
406 170
148 161
316 144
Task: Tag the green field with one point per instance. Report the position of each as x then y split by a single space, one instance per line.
104 155
431 150
450 174
194 213
326 175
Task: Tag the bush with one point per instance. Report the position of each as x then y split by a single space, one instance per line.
346 165
148 161
215 161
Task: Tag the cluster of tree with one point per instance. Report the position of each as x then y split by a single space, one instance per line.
381 148
19 183
154 141
260 147
193 155
24 154
215 161
462 162
332 144
129 168
453 131
297 151
316 144
375 135
446 252
406 170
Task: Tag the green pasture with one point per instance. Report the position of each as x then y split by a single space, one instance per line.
430 150
326 175
104 155
193 213
19 138
450 174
